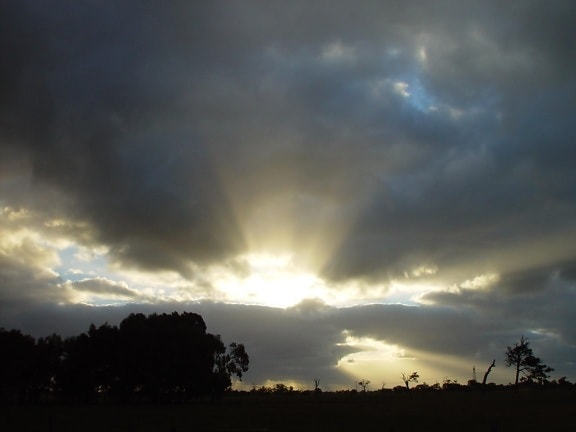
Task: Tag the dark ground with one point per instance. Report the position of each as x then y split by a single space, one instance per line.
382 411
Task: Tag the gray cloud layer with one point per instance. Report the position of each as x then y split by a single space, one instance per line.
137 112
401 134
300 344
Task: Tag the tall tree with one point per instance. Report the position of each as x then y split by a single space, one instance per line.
531 368
166 355
227 362
48 359
16 365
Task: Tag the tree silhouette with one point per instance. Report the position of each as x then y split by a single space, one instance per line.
228 362
492 365
16 365
47 366
90 364
77 376
364 383
531 368
413 377
167 357
317 388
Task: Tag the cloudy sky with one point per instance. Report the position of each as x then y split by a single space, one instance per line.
351 189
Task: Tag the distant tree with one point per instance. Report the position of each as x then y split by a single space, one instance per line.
317 388
492 365
48 358
281 388
538 372
423 387
531 368
228 362
450 384
563 383
413 377
364 383
16 365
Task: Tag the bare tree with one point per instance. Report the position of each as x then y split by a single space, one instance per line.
413 377
364 383
317 388
492 365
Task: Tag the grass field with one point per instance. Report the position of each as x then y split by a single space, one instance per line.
379 411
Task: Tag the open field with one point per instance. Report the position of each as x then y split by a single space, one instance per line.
382 411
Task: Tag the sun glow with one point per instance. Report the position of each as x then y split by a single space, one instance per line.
271 280
373 360
383 363
280 280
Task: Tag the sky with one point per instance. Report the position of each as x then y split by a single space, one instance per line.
351 189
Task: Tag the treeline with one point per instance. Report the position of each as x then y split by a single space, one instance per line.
471 385
155 358
448 385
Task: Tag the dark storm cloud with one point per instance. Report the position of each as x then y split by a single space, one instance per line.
139 114
94 97
403 134
538 299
